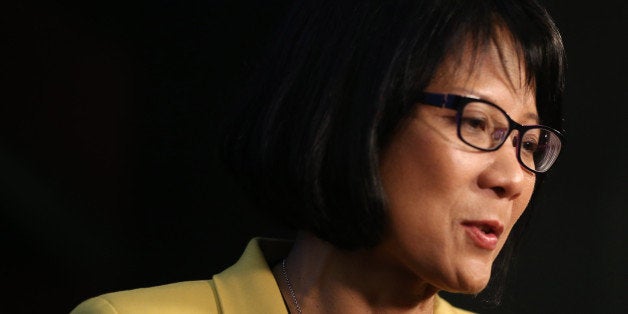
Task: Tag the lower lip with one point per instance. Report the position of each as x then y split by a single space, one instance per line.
481 239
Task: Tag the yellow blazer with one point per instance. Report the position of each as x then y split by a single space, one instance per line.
246 287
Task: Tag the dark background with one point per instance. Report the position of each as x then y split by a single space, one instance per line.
109 178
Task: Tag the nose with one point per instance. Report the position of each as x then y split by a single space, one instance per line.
504 175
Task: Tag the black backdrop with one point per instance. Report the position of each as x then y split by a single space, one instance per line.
109 178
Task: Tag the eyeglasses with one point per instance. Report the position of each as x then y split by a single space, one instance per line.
485 126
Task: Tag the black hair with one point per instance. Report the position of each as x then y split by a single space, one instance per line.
337 85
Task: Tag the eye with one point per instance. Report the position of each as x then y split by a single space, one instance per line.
530 144
477 118
474 123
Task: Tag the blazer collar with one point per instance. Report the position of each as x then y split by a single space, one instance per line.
249 283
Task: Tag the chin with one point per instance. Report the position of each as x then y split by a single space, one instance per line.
476 287
471 281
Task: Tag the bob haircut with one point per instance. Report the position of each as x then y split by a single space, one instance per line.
338 84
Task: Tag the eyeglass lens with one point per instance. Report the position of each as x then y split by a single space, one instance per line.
486 127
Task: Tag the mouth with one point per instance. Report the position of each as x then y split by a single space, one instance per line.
484 233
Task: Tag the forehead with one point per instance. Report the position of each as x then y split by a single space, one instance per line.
493 70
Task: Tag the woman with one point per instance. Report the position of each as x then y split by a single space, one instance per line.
404 140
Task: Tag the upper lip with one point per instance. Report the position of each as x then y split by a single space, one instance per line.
488 226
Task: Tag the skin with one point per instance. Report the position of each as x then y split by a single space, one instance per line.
434 183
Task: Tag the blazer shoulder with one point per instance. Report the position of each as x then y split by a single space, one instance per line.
182 297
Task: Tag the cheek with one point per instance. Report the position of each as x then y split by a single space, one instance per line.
422 168
519 207
423 177
522 203
413 167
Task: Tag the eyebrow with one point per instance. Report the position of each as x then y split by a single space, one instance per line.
533 116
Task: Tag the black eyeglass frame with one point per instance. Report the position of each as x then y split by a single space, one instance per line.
458 102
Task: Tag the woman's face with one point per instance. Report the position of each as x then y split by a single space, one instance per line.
451 207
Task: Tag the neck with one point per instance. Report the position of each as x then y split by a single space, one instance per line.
325 279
